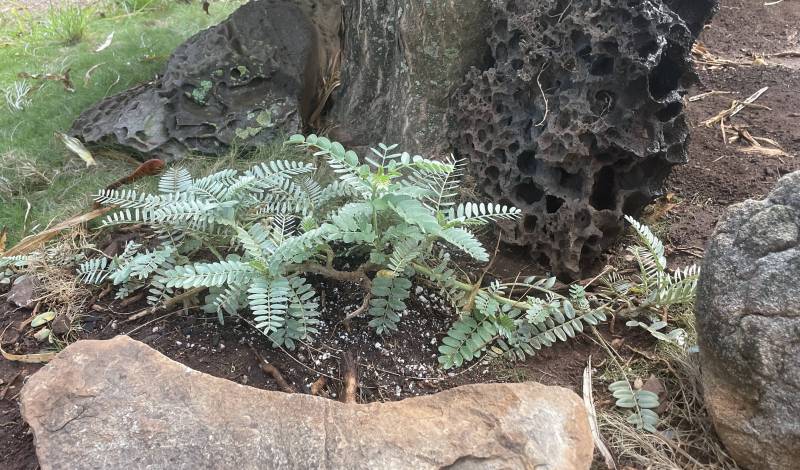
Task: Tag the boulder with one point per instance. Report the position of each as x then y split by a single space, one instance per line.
748 325
579 119
121 404
248 79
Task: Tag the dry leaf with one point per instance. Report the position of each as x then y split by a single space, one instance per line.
76 147
87 77
106 43
3 239
63 78
29 358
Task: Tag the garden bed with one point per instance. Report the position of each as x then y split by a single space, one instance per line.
404 364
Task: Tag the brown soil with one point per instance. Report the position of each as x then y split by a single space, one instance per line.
404 364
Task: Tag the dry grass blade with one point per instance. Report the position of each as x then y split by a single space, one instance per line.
701 55
685 438
87 77
785 54
588 402
707 94
773 149
106 43
28 244
735 108
765 151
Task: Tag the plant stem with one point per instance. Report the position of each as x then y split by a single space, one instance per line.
470 287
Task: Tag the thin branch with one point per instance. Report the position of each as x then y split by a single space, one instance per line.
349 379
168 304
273 372
359 276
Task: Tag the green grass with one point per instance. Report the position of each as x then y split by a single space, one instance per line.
40 181
68 24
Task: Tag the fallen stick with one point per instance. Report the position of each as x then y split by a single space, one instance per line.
349 379
708 93
318 387
169 303
273 372
734 109
131 300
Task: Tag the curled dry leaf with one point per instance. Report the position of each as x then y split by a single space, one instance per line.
87 77
3 239
76 146
106 43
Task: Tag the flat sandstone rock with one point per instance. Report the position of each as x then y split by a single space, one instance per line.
121 404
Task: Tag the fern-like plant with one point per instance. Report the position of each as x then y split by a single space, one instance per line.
272 225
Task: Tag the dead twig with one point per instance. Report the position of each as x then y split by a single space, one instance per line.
735 108
708 93
588 402
273 372
131 300
169 303
349 379
318 387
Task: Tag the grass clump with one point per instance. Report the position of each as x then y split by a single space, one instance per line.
68 24
141 45
685 436
135 6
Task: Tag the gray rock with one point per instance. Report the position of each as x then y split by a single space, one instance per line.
748 321
120 404
250 78
579 119
22 291
402 59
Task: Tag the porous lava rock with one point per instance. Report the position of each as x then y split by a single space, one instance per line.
748 326
580 118
252 77
121 404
